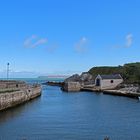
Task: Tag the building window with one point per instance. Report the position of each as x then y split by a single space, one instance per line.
111 81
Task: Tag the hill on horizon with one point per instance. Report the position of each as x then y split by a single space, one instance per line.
130 71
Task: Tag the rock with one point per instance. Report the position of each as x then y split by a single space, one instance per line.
85 76
134 88
86 79
73 78
53 83
106 138
72 86
75 82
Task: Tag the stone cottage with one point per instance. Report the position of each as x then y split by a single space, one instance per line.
108 81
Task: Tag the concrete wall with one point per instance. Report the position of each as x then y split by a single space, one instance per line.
106 84
11 99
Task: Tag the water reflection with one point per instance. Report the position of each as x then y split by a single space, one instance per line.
18 110
64 116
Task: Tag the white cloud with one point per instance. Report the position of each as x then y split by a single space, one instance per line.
39 42
129 40
81 45
34 41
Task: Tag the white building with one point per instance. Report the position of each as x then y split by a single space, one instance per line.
108 81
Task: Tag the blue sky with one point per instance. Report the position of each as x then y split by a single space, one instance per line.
39 37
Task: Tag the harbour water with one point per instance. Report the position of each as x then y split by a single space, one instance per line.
58 115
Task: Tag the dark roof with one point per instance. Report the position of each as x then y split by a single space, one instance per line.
113 76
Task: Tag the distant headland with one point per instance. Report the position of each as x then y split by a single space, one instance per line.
54 76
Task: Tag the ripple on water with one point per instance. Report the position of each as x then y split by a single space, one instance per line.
65 116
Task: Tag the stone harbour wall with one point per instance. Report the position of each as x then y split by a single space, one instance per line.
12 84
72 87
11 99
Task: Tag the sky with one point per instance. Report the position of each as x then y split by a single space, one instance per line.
60 37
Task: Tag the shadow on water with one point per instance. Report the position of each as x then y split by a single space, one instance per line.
16 111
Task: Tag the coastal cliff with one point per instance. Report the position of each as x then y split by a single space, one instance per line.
12 97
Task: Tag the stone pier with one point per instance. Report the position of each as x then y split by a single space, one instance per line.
10 97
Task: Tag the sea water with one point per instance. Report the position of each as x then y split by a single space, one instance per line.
58 115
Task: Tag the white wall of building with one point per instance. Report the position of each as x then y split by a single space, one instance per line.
106 84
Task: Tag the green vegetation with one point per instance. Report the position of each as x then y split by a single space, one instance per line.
130 72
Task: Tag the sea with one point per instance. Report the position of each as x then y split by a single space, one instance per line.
58 115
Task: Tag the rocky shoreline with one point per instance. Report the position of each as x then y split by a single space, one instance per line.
54 83
85 82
